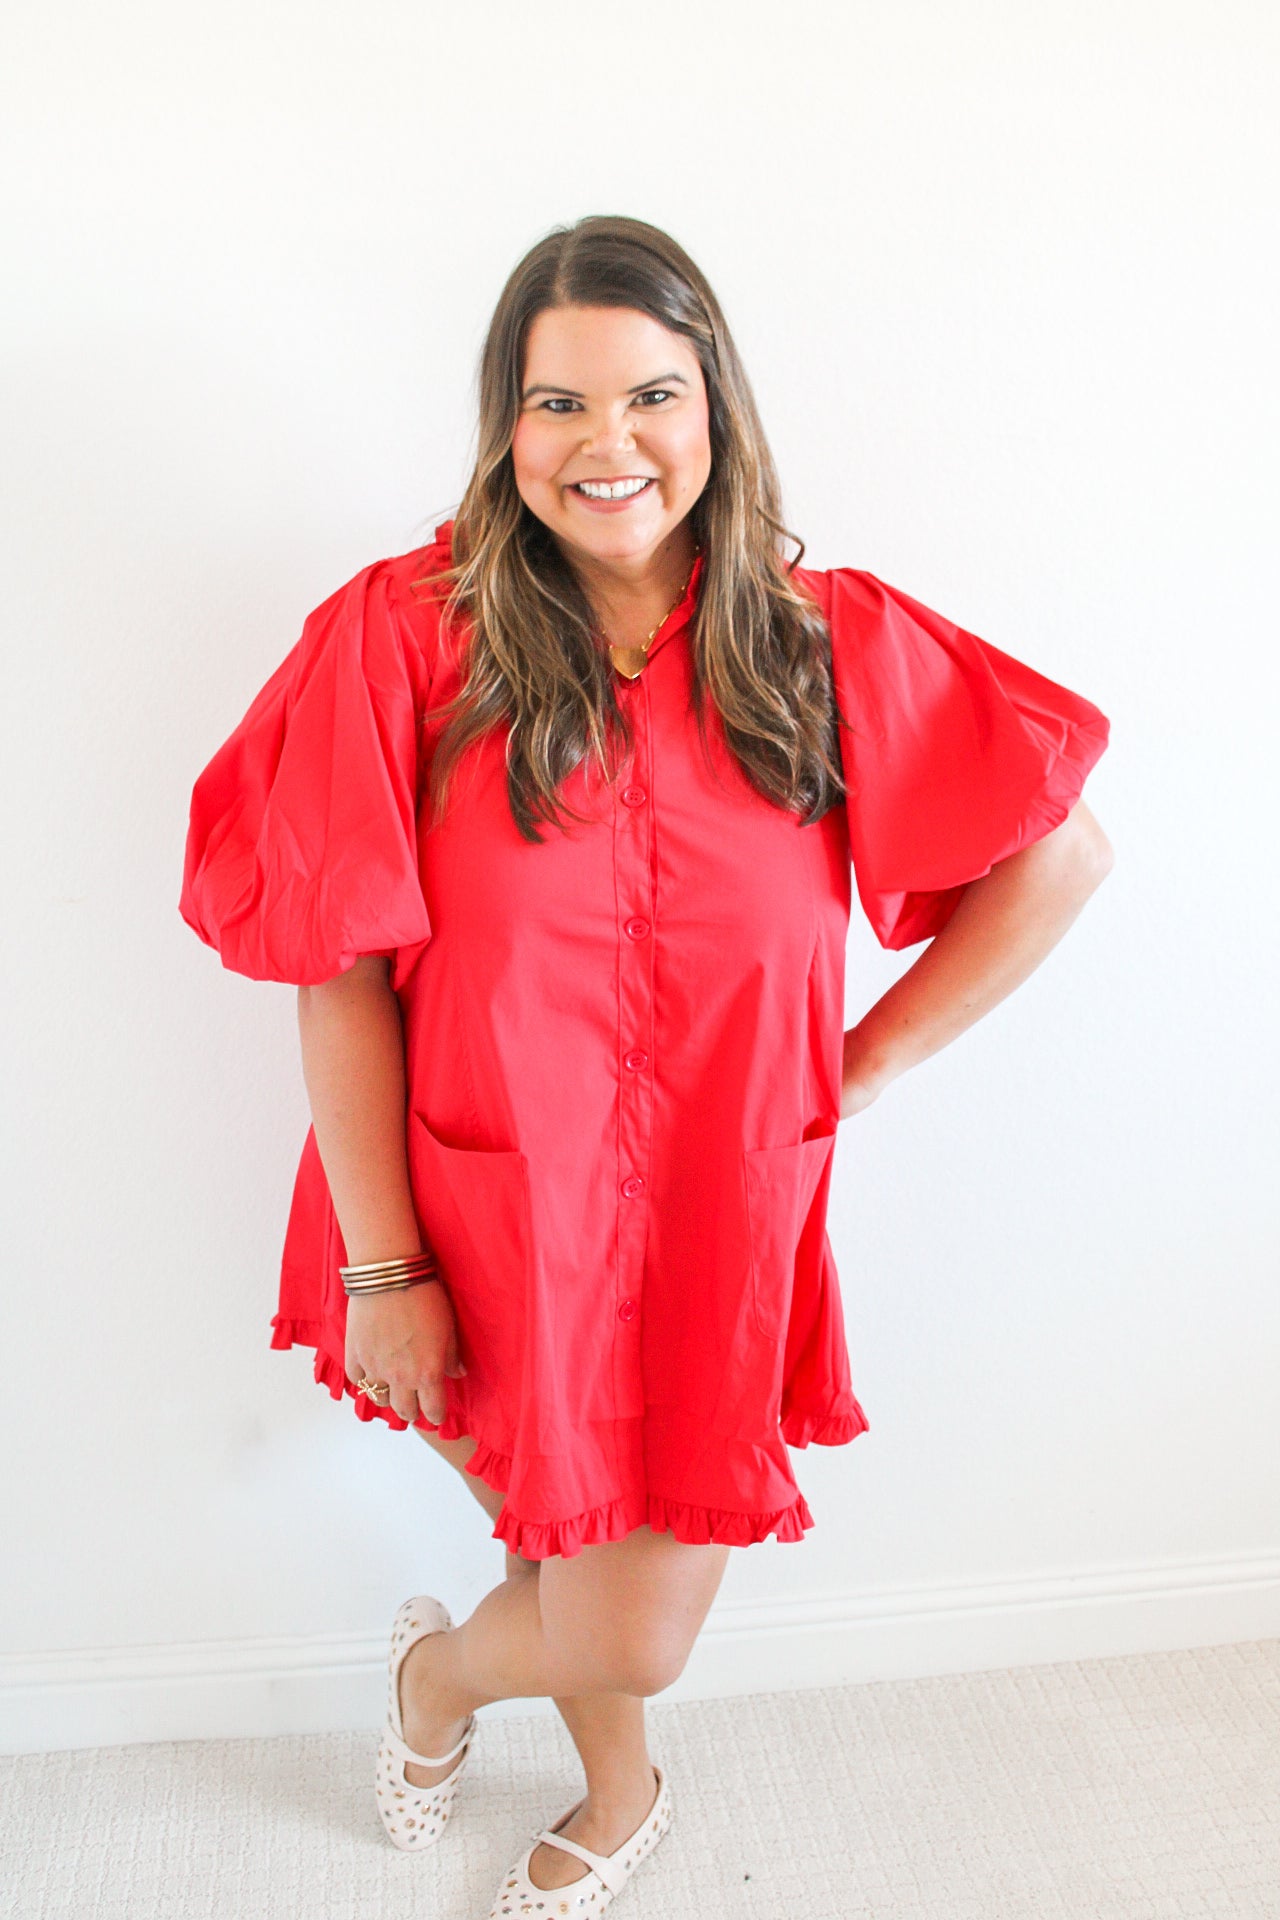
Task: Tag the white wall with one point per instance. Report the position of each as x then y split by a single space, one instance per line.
1005 279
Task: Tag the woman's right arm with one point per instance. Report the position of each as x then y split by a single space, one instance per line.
353 1065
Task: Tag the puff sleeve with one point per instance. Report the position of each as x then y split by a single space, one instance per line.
955 756
301 849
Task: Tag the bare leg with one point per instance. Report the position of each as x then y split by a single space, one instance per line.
606 1728
648 1628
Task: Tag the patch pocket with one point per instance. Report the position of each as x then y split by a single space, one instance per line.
473 1207
786 1212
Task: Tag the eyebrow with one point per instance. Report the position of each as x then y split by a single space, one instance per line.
659 380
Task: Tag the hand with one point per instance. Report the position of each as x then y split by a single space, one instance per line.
408 1337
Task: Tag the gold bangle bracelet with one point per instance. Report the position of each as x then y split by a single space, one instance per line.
411 1263
388 1286
377 1276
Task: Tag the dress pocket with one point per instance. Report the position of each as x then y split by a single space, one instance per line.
786 1212
473 1206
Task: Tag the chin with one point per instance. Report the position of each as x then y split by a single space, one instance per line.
615 537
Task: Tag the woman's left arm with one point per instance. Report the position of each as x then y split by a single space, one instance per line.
1003 927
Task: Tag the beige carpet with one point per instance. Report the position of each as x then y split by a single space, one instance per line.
1144 1788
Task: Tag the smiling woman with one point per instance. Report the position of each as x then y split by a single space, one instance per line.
614 470
608 360
552 822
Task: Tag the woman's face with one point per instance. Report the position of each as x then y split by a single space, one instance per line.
610 395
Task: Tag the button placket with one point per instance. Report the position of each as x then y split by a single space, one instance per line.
637 911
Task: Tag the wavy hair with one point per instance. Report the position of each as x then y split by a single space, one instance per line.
760 647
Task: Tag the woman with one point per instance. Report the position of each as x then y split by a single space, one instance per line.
551 822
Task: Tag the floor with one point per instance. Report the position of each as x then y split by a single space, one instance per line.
1144 1788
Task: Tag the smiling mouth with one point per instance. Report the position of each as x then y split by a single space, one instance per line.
628 489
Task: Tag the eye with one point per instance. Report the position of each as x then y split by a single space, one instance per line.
559 404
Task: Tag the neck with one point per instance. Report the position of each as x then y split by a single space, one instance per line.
629 597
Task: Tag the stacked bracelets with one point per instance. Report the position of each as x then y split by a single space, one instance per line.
385 1276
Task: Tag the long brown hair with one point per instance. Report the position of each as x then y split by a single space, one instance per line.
759 644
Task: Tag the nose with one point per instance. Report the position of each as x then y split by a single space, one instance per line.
607 435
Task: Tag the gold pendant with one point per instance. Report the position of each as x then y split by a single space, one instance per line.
629 661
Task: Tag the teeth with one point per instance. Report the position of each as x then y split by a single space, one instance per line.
615 490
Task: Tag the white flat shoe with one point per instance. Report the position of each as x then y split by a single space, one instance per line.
414 1817
609 1872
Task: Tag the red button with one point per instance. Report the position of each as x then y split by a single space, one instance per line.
637 929
628 1309
633 796
635 1060
632 1185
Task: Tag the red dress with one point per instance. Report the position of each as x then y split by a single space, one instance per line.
624 1045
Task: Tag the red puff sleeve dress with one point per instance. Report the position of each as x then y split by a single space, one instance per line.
623 1045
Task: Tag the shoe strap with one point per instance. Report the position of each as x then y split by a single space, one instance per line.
402 1752
614 1874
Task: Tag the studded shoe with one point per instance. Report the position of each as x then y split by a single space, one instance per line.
609 1872
414 1817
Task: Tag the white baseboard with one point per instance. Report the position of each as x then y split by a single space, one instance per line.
97 1697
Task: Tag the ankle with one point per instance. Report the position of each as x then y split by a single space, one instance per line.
622 1795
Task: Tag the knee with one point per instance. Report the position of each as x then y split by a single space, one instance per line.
646 1667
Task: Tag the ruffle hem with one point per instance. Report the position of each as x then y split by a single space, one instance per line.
539 1540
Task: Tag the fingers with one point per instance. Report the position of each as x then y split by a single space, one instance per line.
405 1402
425 1395
430 1395
403 1397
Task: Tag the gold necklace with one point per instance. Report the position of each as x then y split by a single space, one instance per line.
630 661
